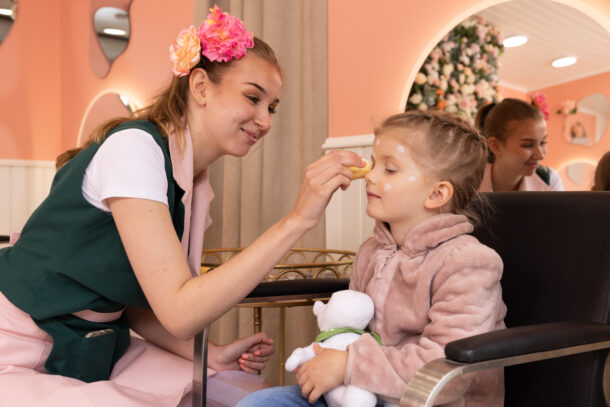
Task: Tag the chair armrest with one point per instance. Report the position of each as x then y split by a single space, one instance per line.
507 347
525 339
296 289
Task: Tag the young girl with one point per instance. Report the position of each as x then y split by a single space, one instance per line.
117 243
431 282
516 133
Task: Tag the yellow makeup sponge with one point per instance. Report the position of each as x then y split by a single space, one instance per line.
360 172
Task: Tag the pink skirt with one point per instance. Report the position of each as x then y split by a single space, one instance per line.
146 376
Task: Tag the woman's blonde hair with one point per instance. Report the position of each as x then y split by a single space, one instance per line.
447 148
168 109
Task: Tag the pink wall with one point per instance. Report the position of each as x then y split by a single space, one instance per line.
46 57
561 152
30 89
508 92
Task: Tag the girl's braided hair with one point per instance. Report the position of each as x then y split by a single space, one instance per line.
447 148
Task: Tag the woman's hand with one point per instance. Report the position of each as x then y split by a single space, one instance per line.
248 354
322 373
322 178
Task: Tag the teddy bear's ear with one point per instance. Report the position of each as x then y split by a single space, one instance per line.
318 306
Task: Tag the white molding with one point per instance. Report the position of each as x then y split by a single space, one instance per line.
24 185
333 143
26 163
347 224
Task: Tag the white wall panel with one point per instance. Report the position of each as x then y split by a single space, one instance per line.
23 186
347 224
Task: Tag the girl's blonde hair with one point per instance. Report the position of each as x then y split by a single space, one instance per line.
447 148
168 108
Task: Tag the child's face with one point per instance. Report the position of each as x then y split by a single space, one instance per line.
396 187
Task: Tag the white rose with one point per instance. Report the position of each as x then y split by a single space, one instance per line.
422 106
420 78
443 85
447 69
470 78
416 98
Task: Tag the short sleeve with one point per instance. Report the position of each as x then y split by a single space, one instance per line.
129 164
555 181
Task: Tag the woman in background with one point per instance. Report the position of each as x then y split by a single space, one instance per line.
601 180
516 135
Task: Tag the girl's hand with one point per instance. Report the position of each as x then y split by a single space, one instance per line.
322 178
248 354
322 373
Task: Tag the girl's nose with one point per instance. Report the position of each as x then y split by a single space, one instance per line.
539 152
263 120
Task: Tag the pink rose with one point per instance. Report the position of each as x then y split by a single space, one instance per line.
184 52
224 37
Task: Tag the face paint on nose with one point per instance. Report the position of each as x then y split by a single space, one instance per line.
400 148
387 187
412 178
377 142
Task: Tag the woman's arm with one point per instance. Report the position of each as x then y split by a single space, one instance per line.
248 354
185 305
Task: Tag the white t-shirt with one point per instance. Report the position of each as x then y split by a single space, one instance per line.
555 181
130 164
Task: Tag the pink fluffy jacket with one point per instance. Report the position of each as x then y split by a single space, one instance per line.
439 285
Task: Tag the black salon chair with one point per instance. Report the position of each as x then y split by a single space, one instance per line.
556 285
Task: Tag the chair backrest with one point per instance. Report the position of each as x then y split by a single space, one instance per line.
556 252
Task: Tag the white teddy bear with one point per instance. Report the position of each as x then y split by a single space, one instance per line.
346 313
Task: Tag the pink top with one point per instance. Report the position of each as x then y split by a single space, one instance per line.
438 286
528 183
198 195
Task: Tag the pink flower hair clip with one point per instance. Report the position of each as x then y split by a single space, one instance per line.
221 37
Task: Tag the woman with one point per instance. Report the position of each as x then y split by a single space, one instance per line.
117 244
516 135
601 179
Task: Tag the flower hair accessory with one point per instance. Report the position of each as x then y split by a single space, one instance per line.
538 100
221 37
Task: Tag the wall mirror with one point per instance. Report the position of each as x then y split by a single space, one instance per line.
112 30
587 125
8 14
579 175
105 106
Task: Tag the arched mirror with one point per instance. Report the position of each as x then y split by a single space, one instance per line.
586 123
578 176
106 106
8 14
112 30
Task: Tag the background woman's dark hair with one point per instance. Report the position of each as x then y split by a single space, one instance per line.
168 108
601 180
496 119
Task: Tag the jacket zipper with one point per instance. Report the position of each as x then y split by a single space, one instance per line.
387 260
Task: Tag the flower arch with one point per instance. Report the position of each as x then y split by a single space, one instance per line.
460 73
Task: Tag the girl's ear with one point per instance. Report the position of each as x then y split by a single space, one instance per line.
198 82
441 195
494 145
